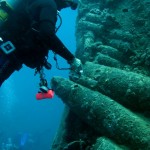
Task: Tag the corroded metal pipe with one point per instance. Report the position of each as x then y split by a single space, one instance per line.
128 88
103 114
103 143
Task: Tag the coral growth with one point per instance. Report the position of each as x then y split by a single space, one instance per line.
109 106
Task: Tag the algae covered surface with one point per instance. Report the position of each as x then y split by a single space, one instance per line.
108 108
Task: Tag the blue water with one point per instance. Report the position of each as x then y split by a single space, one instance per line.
20 112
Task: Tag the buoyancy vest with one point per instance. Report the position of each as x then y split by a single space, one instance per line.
17 25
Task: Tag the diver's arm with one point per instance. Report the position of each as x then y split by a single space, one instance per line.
48 18
47 22
58 47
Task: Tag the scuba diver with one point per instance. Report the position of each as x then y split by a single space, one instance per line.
28 32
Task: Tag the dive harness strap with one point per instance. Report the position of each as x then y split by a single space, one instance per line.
7 48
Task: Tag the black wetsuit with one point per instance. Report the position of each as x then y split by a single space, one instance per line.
33 34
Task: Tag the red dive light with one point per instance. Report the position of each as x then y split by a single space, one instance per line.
49 94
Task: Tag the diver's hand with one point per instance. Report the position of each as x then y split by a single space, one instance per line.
76 68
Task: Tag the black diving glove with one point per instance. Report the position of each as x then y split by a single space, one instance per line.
76 68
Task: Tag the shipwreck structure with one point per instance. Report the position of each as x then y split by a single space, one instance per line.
108 108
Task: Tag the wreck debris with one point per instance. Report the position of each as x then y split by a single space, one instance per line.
103 114
107 61
104 143
127 88
113 44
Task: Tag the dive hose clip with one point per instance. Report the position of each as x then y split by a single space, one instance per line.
7 47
